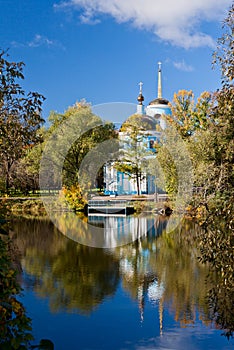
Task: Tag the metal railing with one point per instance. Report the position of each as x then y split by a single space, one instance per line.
108 203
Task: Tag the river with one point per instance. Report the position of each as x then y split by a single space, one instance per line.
150 293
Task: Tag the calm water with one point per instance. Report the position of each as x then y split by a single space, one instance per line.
149 294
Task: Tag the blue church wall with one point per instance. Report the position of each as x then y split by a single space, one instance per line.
123 184
120 182
151 184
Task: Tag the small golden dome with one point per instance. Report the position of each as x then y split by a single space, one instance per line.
140 99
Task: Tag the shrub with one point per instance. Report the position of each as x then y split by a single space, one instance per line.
73 197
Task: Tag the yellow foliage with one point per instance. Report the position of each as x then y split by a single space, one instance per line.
74 197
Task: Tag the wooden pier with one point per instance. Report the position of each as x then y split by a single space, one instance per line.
109 207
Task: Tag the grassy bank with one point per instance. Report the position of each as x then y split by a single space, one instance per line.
14 206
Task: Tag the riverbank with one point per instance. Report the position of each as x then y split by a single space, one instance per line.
35 206
14 205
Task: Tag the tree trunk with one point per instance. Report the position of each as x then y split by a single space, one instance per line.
138 184
8 167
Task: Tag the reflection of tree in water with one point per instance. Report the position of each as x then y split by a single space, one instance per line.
183 276
73 276
161 268
15 326
217 247
82 278
165 269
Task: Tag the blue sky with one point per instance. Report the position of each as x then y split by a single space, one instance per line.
101 49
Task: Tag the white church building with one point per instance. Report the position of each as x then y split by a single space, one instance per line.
120 183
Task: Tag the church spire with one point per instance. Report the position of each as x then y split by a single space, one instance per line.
159 80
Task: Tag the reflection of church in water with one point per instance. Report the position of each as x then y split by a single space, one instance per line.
116 228
117 182
135 258
136 269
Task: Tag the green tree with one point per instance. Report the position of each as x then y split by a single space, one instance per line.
189 119
207 127
25 172
20 116
224 52
217 244
218 151
86 129
133 157
163 168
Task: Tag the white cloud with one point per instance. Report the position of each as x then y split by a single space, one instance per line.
89 20
40 40
174 21
16 44
181 65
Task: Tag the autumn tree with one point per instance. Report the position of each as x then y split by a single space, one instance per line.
223 111
189 119
217 240
71 137
20 116
87 131
189 115
215 146
25 173
223 56
134 155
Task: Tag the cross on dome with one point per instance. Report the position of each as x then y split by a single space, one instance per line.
141 85
159 66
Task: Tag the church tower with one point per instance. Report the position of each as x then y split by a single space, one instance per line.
159 80
160 105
